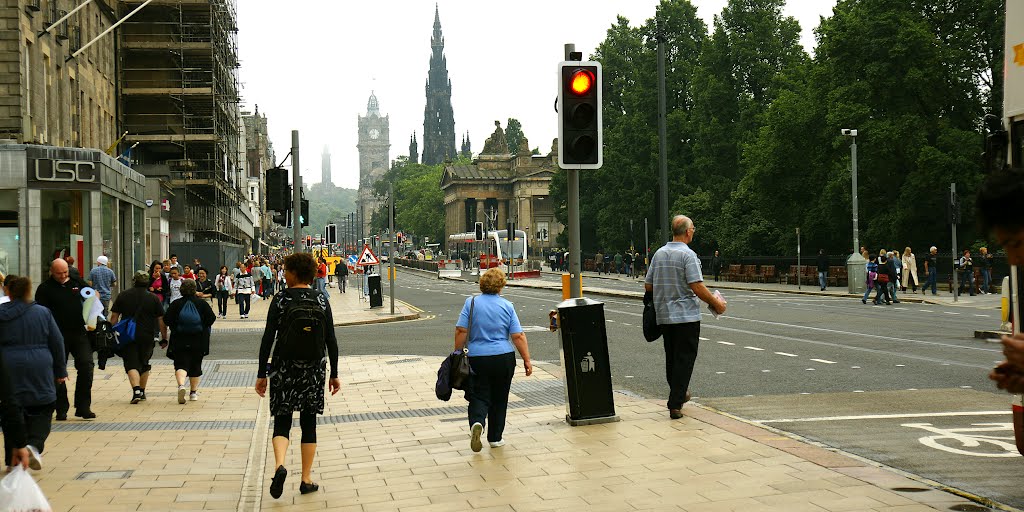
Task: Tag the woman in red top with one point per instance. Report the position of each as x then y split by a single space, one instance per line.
321 277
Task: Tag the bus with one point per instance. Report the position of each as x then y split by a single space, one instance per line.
494 250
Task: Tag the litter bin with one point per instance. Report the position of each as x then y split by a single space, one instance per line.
588 374
373 283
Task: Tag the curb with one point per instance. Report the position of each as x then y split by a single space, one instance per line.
991 336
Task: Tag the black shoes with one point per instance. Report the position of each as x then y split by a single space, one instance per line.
277 484
305 488
137 396
62 416
85 415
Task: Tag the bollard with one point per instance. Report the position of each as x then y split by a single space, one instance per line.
1007 313
566 287
588 374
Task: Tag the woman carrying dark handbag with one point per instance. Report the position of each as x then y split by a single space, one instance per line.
489 327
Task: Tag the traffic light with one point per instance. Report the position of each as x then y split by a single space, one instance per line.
331 234
282 217
309 242
479 231
304 213
580 137
279 194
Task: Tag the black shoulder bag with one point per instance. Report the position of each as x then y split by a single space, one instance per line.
460 369
652 330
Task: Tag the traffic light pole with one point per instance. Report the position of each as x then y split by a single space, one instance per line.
391 251
953 220
296 193
573 176
662 142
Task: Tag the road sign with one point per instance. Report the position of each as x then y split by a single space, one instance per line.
367 258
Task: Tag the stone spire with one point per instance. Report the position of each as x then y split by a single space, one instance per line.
467 150
414 149
325 167
438 119
372 106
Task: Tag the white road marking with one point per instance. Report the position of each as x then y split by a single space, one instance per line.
888 416
810 369
765 371
926 311
449 293
858 391
855 367
965 387
754 348
951 313
899 309
911 389
703 338
786 354
610 320
900 365
982 316
719 373
824 361
726 343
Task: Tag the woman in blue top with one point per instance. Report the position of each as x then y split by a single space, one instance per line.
490 326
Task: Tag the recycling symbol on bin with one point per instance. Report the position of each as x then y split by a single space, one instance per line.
587 364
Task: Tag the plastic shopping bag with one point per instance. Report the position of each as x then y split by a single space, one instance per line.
20 493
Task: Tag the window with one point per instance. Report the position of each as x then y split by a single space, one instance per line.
47 87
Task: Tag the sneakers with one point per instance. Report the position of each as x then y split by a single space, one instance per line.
474 441
136 396
193 396
35 461
143 395
497 444
181 394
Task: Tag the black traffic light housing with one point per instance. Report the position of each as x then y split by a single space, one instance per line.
580 127
279 194
331 234
282 218
304 212
479 231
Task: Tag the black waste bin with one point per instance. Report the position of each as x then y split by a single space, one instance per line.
588 374
373 283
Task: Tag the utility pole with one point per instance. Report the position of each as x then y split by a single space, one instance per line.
573 175
296 192
662 138
392 253
953 220
647 244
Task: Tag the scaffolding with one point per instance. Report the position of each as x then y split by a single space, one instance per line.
178 81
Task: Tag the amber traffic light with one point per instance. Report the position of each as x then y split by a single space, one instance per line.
580 137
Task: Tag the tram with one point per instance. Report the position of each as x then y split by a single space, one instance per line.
494 250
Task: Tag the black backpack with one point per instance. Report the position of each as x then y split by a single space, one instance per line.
302 331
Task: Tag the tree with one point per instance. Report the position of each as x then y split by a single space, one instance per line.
514 134
419 201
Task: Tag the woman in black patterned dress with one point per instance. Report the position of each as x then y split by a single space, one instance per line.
300 333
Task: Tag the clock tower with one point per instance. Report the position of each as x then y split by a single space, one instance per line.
374 145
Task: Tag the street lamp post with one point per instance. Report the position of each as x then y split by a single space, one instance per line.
855 271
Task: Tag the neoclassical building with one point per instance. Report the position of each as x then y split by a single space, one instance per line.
500 186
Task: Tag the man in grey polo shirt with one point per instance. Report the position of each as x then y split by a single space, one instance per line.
674 276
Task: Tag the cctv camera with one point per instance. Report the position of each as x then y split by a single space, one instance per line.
849 132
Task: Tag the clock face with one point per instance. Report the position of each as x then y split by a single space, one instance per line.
374 133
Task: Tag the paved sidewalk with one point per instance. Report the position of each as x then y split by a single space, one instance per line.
592 283
386 443
348 309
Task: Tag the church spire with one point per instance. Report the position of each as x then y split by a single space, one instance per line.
372 106
467 151
414 149
438 118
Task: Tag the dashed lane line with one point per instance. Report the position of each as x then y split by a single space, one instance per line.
726 343
823 361
754 348
786 354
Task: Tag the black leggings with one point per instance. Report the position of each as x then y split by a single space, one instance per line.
307 421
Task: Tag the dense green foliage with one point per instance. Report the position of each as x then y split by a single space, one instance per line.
754 143
419 201
328 205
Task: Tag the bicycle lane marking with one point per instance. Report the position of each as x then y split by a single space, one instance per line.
969 438
885 416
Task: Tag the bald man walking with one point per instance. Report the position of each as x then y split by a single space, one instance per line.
675 278
62 295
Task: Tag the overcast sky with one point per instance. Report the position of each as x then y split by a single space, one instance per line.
311 66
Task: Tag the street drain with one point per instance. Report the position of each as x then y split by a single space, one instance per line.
911 489
967 507
104 475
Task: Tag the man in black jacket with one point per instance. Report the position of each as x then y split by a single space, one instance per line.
148 313
341 273
62 296
822 269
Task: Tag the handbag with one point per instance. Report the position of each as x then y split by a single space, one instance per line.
460 368
652 330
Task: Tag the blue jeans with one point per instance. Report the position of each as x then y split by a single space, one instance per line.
321 284
933 277
892 291
244 302
822 279
867 293
986 276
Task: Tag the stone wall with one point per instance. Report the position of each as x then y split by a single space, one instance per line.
46 98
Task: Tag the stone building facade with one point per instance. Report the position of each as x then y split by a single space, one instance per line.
46 98
374 158
438 118
499 187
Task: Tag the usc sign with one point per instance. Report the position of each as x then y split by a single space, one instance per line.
69 174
